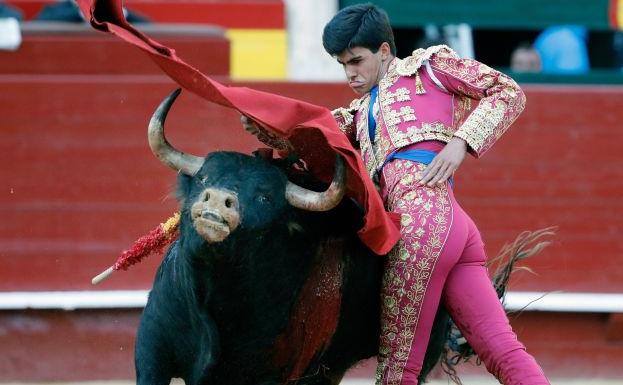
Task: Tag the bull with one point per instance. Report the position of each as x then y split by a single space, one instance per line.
267 282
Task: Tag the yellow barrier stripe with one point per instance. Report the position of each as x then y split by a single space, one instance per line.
257 53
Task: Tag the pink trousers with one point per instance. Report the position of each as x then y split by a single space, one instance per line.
440 257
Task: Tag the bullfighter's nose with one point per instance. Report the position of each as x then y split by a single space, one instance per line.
221 200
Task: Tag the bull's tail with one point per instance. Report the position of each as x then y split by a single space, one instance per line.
527 244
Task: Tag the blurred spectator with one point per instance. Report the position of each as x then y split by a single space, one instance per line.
62 11
525 58
456 36
563 50
617 47
67 10
7 11
10 35
426 42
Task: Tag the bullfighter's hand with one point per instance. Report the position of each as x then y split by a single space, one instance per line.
249 125
445 163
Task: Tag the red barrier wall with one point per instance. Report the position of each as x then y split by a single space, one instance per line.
226 13
60 48
82 183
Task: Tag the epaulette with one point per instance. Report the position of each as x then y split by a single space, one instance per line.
409 65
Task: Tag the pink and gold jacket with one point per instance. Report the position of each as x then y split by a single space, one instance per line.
430 96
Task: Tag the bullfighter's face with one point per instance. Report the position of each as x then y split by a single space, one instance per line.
364 68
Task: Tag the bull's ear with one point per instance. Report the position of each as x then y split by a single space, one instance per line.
184 183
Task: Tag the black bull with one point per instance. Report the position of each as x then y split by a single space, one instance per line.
258 289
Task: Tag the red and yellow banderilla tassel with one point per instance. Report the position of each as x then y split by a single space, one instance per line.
153 242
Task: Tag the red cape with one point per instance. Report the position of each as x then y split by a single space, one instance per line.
311 129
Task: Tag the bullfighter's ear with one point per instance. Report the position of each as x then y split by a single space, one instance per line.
294 228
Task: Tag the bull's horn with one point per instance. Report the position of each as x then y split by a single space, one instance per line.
177 160
309 200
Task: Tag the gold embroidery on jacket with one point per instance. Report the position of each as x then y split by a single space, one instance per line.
427 131
501 99
483 125
391 117
345 117
273 140
407 113
411 64
402 94
368 153
419 87
462 107
344 121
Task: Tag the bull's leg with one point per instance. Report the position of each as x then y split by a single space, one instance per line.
205 358
151 358
149 370
151 375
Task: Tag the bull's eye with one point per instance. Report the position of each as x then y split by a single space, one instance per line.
263 198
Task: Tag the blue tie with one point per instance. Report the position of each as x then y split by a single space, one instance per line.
371 121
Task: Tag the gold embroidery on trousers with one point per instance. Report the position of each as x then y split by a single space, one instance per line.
425 221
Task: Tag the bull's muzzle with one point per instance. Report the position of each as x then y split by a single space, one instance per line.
215 214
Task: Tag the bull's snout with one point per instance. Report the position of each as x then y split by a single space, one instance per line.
215 214
221 200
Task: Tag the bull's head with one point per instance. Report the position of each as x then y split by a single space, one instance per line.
216 204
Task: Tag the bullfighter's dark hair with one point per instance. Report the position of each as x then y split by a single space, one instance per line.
360 25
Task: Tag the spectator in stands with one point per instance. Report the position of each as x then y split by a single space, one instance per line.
426 42
563 50
525 58
8 11
67 10
617 48
414 124
10 35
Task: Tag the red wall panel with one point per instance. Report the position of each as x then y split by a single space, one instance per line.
82 183
93 53
226 13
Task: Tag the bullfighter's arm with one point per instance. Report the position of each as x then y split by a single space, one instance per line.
283 146
345 118
500 98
